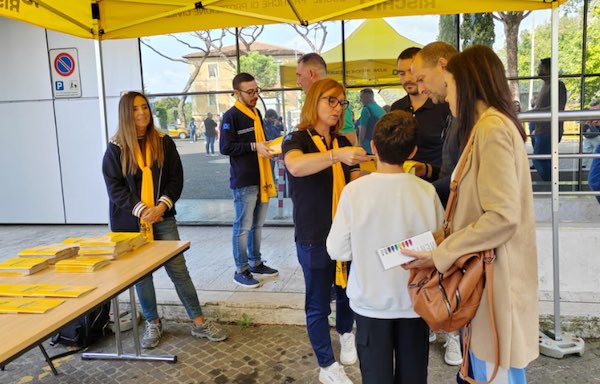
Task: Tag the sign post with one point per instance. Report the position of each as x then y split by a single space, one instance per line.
64 66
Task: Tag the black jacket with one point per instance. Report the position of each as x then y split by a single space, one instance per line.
124 193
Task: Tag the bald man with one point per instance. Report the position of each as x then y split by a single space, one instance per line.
311 68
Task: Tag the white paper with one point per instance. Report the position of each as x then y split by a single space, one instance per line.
391 257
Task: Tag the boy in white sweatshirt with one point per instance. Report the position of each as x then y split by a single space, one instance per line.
374 211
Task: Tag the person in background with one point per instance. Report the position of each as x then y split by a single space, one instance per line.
428 69
144 178
272 126
320 162
494 210
311 68
370 113
591 133
193 128
210 133
432 119
383 208
540 131
594 175
243 140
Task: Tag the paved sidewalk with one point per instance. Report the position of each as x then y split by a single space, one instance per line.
267 354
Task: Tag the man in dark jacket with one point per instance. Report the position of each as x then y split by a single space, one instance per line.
239 141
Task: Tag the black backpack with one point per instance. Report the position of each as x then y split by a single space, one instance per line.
85 330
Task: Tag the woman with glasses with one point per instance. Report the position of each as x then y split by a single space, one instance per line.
320 161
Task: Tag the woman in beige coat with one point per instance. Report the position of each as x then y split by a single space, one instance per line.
494 210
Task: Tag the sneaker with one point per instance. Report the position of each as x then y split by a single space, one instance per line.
432 336
334 374
262 269
348 354
209 330
245 279
452 345
152 335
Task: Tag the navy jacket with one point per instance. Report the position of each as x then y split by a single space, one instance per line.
237 134
124 193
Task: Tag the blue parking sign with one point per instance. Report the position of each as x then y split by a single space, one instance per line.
60 86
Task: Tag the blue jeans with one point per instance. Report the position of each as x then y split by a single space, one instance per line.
542 145
210 144
250 215
177 271
319 276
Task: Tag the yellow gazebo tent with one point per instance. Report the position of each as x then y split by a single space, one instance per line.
371 52
114 19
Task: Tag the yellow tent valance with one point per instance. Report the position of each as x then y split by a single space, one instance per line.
115 19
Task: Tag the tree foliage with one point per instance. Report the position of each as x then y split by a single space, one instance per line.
570 38
447 27
263 67
477 28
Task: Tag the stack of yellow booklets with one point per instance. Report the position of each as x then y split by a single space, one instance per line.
27 305
52 252
44 290
22 266
110 245
81 264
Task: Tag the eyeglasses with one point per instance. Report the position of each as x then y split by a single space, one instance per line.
333 102
251 92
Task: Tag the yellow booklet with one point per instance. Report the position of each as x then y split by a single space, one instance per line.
81 264
52 252
28 305
275 145
44 290
24 265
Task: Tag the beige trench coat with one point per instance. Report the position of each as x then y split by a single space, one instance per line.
494 210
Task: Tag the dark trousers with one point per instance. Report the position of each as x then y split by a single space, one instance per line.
542 145
319 275
392 351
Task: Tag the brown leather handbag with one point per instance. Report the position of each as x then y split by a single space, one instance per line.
449 301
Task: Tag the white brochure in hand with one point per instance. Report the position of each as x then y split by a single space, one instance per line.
391 257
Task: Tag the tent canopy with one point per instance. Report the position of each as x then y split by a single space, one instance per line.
371 53
116 19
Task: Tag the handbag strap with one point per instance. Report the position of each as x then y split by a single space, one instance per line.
460 167
466 331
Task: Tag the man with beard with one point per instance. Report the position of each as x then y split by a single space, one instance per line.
432 119
251 179
427 71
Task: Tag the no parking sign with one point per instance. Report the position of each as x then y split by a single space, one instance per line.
64 66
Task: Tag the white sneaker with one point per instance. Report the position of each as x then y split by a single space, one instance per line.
348 355
432 336
452 345
334 374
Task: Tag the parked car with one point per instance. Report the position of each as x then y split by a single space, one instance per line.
174 130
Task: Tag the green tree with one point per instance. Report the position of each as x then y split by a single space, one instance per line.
477 28
447 31
263 67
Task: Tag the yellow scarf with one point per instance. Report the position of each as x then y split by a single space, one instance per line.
147 186
339 181
267 184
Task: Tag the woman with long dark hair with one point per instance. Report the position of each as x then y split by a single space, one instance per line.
144 179
495 211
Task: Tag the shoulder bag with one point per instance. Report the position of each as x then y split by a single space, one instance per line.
449 301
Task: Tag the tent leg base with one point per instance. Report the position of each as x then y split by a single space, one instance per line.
557 349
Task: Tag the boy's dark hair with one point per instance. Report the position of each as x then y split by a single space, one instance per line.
395 136
241 77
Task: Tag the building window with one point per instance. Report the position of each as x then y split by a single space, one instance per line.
212 70
212 99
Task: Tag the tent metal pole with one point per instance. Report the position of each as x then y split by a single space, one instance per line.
101 94
554 96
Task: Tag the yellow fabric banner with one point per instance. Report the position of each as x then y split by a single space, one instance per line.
118 19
